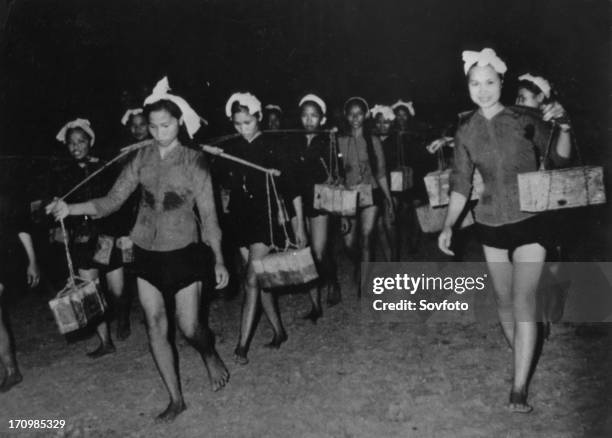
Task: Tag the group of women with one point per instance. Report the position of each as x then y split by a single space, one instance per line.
177 238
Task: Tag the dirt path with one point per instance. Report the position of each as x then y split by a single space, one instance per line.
344 377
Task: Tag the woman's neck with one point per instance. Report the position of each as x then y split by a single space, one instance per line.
357 132
165 150
492 111
253 137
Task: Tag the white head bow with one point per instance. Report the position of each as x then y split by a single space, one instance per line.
244 99
129 113
408 105
384 110
272 107
539 82
316 99
77 123
359 99
190 117
486 56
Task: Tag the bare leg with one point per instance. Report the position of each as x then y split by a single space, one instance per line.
319 226
250 305
500 268
368 221
7 355
528 264
116 283
106 344
154 308
351 245
195 328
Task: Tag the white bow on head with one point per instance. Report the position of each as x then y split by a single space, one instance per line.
386 111
486 56
316 99
129 113
77 123
190 117
360 99
272 107
244 99
408 105
539 82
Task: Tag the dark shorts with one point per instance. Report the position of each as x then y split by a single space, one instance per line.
537 229
171 271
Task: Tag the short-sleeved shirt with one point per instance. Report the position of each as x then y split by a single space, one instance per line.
171 188
357 166
511 142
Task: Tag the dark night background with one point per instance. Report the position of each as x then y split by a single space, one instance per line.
68 58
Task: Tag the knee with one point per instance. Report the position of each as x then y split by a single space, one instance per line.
319 254
190 330
157 324
250 280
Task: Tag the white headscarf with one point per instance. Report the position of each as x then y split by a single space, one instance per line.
77 123
129 113
190 117
317 100
539 82
244 99
408 105
486 56
386 111
360 99
272 107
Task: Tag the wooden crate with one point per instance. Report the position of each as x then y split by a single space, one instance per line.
562 188
74 307
438 187
401 179
285 268
431 219
335 199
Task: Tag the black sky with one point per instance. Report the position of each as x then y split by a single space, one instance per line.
68 58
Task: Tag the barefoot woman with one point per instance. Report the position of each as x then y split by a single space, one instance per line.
172 267
501 142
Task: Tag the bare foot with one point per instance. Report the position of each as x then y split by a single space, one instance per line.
240 355
217 373
277 340
333 295
10 380
518 402
172 411
313 315
102 350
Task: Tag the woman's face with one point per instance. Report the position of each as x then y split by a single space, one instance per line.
527 98
274 121
402 116
383 126
484 84
311 117
355 116
78 143
246 124
138 127
164 127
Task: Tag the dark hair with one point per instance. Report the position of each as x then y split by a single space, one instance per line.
69 131
530 86
165 105
237 108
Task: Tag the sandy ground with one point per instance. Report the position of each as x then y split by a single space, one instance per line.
344 377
